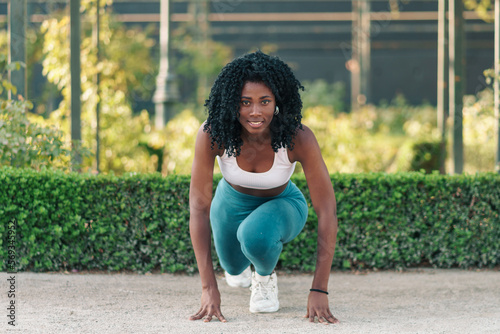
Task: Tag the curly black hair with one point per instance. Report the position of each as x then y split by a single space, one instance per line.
223 103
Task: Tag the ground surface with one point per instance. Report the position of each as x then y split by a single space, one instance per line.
417 301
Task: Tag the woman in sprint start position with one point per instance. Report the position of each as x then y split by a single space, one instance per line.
254 131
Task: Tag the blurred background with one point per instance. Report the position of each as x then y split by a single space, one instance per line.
370 73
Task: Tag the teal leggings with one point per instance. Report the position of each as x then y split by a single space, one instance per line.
250 229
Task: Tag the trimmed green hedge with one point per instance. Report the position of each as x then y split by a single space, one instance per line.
140 222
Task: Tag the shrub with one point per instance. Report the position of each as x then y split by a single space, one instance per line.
346 143
479 132
417 155
139 222
24 143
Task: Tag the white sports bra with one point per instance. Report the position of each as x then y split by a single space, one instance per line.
278 175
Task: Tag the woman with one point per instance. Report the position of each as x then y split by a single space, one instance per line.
254 130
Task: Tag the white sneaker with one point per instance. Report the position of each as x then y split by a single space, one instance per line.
242 280
264 296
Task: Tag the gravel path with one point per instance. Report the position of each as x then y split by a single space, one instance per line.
415 301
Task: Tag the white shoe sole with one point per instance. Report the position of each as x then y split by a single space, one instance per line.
270 309
244 285
238 282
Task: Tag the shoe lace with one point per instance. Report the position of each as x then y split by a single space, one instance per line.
263 289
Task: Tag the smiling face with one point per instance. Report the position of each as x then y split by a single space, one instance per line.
257 107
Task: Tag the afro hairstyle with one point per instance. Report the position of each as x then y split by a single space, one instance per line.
223 103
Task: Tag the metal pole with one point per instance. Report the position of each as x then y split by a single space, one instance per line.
457 80
442 80
17 51
204 27
496 82
76 127
97 82
166 90
359 64
365 59
354 62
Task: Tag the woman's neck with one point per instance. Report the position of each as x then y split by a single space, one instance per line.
259 139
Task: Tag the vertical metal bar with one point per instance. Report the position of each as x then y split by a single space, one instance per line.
365 42
496 82
166 90
17 51
97 30
359 64
204 26
442 80
457 80
76 131
354 62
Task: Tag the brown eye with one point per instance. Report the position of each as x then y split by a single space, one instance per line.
265 102
245 102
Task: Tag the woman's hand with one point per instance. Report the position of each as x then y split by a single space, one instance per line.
210 306
317 306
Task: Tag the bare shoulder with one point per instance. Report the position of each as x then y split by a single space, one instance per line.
204 142
305 143
304 136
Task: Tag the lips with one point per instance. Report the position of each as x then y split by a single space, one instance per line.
255 124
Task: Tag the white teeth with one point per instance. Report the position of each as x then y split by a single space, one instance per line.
255 123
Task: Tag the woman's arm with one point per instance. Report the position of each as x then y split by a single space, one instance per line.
200 198
308 153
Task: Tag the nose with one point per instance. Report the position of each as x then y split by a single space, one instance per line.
256 110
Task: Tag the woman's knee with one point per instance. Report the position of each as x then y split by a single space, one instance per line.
258 244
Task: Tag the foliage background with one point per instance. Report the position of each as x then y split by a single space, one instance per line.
392 136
